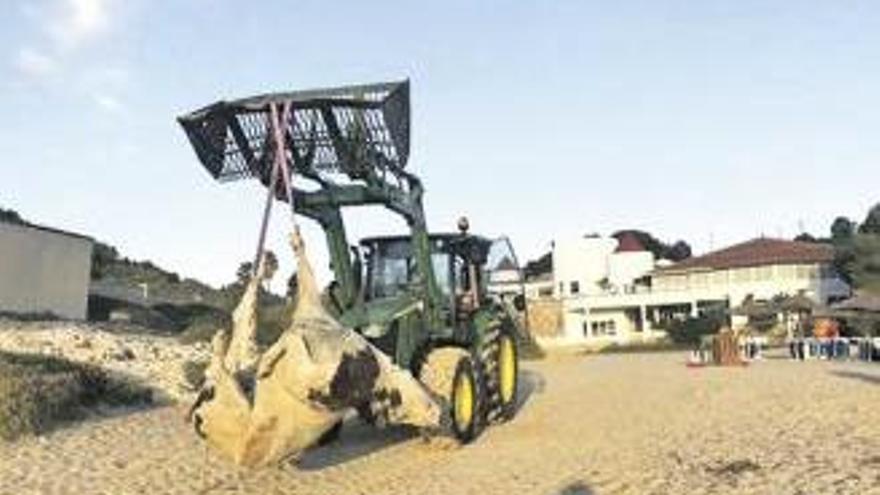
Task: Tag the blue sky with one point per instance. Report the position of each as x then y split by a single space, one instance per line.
708 121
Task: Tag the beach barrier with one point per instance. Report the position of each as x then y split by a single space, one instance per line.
752 348
868 349
837 348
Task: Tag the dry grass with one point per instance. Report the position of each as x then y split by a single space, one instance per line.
37 392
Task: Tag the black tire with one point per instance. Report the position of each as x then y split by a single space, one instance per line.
451 374
501 368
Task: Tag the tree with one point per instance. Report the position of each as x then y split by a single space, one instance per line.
842 229
805 237
864 263
244 272
11 216
871 225
679 251
676 252
271 262
103 256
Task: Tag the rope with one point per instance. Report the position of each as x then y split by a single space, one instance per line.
267 210
280 156
279 164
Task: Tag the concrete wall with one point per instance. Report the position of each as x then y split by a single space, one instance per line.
583 261
545 318
44 271
624 268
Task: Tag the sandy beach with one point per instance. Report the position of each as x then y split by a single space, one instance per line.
641 423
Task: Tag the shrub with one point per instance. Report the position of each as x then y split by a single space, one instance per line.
184 315
194 373
642 347
31 316
37 391
690 330
203 327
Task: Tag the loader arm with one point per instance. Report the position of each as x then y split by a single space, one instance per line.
351 142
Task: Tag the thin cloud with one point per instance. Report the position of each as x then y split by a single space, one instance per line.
77 21
109 103
67 29
34 63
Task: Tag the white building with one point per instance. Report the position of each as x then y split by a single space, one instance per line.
44 270
613 291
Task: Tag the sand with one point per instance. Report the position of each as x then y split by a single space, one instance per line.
641 423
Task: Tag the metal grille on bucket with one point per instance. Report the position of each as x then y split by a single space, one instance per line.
335 131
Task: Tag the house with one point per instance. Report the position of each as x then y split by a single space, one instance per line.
757 270
44 270
614 290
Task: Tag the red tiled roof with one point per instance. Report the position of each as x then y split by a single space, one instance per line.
757 252
628 243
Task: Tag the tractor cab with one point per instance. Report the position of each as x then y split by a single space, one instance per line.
469 273
391 270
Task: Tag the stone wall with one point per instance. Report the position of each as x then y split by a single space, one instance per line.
545 318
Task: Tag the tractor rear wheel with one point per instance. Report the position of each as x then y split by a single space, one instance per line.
452 376
501 361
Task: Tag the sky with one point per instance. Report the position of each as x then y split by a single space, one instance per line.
713 122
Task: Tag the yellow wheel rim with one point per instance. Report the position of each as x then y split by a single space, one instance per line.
464 400
507 369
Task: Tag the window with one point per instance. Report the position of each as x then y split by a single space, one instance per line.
442 272
390 277
545 291
603 328
574 287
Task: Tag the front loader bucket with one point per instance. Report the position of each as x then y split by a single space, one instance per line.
336 131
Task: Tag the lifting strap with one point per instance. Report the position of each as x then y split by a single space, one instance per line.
279 167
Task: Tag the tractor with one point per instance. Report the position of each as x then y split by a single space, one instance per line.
447 307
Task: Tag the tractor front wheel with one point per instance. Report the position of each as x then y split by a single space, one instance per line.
451 375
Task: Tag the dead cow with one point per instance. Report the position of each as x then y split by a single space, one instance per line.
259 408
